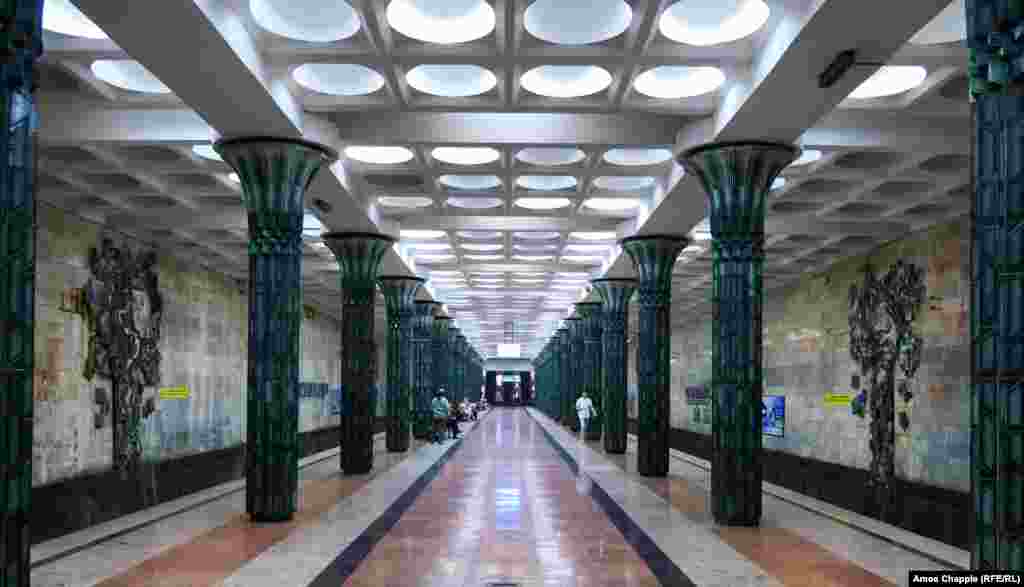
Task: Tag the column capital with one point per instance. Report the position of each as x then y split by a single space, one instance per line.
615 293
654 257
399 292
359 255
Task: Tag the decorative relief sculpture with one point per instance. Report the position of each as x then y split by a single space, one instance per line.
124 310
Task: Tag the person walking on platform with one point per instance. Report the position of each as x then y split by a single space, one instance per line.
439 407
584 410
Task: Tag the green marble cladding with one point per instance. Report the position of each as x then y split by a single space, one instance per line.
21 39
653 256
399 297
423 359
442 355
563 392
459 385
274 174
591 316
574 384
359 257
615 295
736 177
453 363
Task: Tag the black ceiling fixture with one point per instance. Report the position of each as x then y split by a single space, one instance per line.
840 65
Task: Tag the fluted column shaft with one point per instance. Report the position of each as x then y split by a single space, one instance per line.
459 389
590 376
564 377
274 174
399 296
654 257
575 352
359 256
736 178
21 38
615 294
442 354
423 358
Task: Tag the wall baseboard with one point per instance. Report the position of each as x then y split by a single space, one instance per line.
79 502
941 514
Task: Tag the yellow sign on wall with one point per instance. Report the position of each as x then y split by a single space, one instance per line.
838 399
179 392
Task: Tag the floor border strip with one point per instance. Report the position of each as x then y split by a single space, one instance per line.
341 568
666 571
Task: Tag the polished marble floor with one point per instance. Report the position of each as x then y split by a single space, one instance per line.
518 502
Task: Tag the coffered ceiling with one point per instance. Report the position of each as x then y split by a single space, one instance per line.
508 143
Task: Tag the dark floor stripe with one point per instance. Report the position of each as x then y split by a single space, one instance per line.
342 567
663 568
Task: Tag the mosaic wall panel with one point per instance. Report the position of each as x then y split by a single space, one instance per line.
203 347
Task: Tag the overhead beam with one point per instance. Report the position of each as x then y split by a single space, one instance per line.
66 123
891 131
818 227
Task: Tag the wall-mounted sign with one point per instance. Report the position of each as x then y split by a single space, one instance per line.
838 400
697 394
332 401
773 415
179 392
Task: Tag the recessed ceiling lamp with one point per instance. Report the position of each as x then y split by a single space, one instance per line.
565 286
588 248
478 235
808 156
466 155
583 259
451 81
489 285
444 22
379 155
61 16
534 248
311 225
434 258
430 246
475 203
338 79
530 273
532 258
525 280
473 247
427 234
577 23
889 81
550 156
405 201
128 75
234 177
488 280
778 182
670 82
471 182
546 183
621 183
611 204
444 272
637 156
949 26
543 203
314 21
593 236
537 236
566 81
712 22
483 257
206 152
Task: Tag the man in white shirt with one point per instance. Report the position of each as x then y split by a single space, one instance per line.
584 410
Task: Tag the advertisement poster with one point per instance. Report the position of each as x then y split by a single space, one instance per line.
697 394
773 415
838 400
332 401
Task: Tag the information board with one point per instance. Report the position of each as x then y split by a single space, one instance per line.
773 415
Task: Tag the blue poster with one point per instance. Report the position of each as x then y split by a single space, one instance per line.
773 415
332 401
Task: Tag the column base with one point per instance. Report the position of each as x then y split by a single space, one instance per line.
267 518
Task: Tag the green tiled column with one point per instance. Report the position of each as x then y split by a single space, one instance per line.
575 352
442 354
359 255
736 178
452 376
423 358
590 378
459 387
400 297
565 399
654 256
615 294
21 39
274 174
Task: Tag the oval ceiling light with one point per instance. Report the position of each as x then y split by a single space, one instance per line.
566 81
434 258
475 203
712 22
483 257
534 248
61 16
549 156
546 183
128 75
466 155
338 79
611 204
889 81
543 203
471 182
807 156
425 234
379 155
444 22
949 26
670 82
637 156
478 235
624 183
588 248
532 258
404 201
778 182
430 246
451 81
577 23
536 236
594 236
206 152
482 248
583 259
314 21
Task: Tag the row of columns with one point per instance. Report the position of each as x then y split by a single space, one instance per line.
589 353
